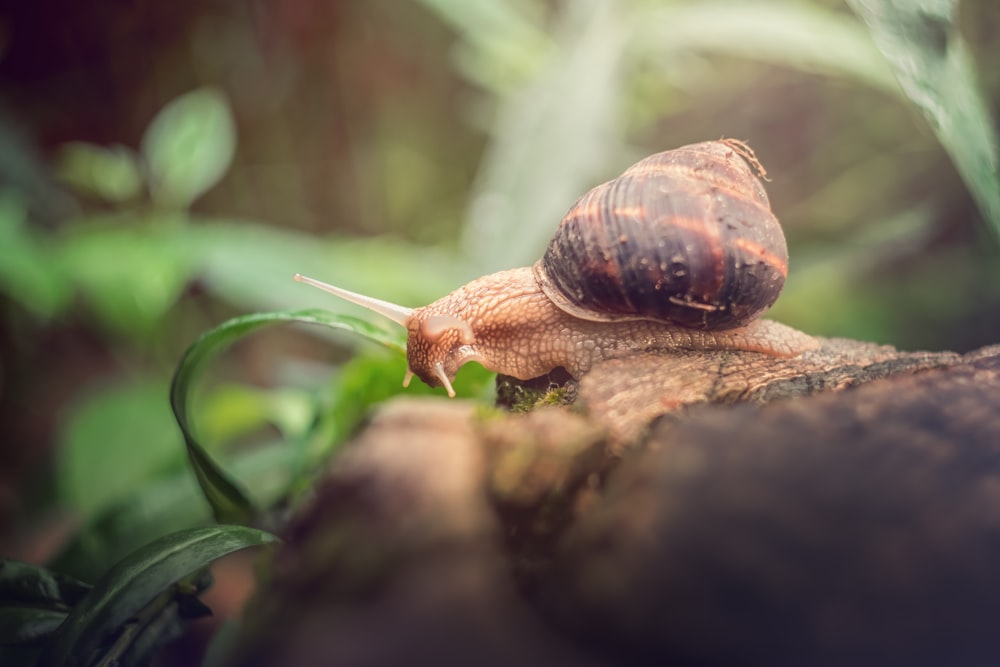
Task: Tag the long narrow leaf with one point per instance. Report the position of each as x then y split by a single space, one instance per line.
30 584
229 502
34 601
554 140
922 42
803 35
137 580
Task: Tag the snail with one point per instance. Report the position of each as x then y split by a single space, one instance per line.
680 252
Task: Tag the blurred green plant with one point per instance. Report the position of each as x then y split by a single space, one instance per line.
188 147
111 174
923 43
228 501
121 466
141 602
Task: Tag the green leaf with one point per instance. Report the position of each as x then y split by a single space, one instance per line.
250 265
371 378
922 42
189 146
26 271
116 440
30 584
232 410
135 582
24 625
129 276
159 507
170 504
109 173
228 501
34 601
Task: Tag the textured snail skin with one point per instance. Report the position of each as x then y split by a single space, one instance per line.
519 331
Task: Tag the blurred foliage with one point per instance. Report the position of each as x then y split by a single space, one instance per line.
141 601
167 167
931 61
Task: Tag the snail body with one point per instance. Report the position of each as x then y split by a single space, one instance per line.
681 252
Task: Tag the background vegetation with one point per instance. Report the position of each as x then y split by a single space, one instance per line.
167 166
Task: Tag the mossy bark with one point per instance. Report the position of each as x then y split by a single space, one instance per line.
723 508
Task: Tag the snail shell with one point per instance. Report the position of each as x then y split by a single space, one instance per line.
684 236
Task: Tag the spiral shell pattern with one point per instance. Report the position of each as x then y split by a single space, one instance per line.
685 236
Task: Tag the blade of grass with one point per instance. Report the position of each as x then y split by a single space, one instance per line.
137 580
804 36
922 42
229 502
551 140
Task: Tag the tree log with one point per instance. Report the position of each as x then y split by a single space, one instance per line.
727 508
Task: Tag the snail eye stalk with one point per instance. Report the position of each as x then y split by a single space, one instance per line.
398 314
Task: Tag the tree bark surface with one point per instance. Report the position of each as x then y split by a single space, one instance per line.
725 508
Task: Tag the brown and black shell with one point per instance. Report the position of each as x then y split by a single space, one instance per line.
686 236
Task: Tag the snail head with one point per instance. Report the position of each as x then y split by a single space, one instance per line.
437 344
